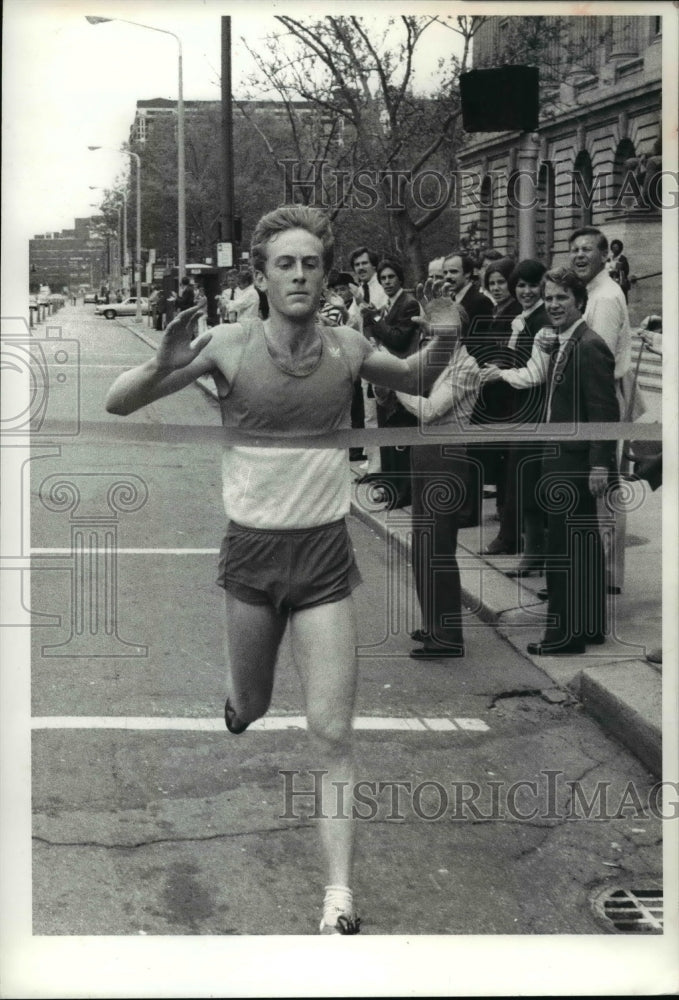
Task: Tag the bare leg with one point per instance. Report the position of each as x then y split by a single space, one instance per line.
253 635
324 648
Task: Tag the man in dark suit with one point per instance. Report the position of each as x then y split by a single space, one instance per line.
392 327
458 271
580 389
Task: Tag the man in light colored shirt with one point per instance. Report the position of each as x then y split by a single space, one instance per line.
366 292
606 313
246 304
606 310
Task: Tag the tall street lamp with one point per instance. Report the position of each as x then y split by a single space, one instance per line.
128 152
181 173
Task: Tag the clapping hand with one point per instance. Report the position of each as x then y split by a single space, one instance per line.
178 348
441 313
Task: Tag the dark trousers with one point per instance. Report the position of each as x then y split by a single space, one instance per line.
439 474
521 473
357 405
576 581
395 461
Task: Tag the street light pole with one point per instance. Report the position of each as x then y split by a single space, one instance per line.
181 171
128 152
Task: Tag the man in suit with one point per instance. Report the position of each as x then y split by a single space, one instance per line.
458 271
393 329
580 389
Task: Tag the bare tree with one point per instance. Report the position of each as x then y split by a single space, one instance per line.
364 140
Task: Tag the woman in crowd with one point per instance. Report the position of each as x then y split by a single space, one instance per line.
487 343
618 266
521 514
440 474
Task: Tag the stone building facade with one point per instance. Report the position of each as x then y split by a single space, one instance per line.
597 145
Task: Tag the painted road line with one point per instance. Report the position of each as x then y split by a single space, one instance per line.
268 724
472 724
440 725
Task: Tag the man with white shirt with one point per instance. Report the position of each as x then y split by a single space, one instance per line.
393 329
246 303
366 292
606 313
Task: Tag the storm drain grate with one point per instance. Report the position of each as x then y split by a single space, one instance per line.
632 911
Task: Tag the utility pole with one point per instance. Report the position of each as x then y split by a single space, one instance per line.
226 234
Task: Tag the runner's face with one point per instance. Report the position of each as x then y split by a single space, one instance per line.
293 274
561 305
527 294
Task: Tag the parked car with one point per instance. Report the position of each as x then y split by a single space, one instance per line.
126 308
90 297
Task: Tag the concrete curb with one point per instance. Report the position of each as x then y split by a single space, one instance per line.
619 690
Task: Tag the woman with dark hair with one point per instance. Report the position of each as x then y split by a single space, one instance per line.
521 514
488 344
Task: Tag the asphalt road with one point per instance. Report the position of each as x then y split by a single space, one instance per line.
186 830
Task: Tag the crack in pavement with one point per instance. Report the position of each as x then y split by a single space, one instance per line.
167 840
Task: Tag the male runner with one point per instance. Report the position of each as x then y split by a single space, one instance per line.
287 558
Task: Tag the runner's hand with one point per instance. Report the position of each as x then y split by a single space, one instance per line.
178 348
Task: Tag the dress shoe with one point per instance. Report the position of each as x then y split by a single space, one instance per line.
654 656
499 547
555 649
436 652
356 455
543 594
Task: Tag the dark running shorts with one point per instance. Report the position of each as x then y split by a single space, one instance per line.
288 569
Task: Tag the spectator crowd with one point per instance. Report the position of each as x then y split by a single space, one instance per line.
535 345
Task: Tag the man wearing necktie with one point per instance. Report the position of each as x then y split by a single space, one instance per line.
393 329
580 389
366 291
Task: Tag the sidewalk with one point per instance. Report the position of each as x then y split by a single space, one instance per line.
615 683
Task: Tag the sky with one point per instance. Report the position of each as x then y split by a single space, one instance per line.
68 84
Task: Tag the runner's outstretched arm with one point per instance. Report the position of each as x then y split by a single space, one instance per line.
179 360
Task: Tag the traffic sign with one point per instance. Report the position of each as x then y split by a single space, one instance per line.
224 254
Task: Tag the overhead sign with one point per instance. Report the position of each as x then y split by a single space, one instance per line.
225 255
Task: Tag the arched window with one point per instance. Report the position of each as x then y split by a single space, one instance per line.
583 179
545 214
621 167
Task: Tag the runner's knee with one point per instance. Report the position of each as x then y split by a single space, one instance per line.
330 728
